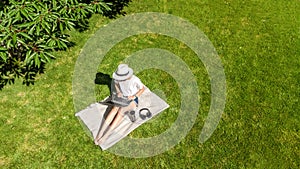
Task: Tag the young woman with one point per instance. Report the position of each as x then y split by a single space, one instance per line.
128 85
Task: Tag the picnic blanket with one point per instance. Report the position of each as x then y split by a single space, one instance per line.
94 115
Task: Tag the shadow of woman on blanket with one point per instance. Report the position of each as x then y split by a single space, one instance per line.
104 79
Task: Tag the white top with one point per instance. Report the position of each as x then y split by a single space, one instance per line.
131 86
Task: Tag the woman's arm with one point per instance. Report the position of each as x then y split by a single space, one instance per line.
118 90
138 94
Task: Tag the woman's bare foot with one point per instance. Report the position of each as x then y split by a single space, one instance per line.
96 141
100 141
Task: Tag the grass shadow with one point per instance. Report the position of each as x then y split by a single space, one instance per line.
117 7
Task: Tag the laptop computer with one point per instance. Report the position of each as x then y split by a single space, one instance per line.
114 100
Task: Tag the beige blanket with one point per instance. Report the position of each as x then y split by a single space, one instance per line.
94 115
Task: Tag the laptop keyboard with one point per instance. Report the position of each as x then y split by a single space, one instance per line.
120 100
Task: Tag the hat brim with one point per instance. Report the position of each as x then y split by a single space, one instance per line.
123 77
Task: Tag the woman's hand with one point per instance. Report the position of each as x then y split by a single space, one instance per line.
119 94
131 97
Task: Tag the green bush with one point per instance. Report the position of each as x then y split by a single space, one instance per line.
31 30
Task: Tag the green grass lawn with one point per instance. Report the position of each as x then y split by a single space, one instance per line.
258 42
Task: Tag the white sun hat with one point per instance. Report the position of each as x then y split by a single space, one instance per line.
123 72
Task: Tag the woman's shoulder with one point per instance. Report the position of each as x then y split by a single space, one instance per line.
134 77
